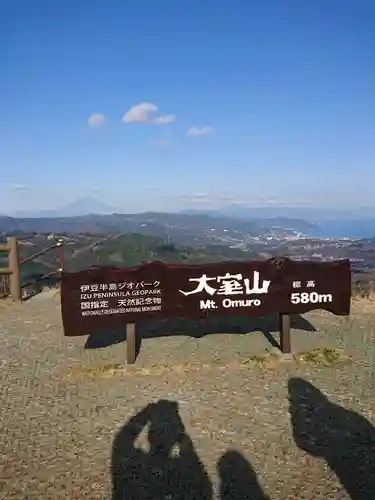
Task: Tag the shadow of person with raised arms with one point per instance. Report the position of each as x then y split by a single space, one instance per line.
238 480
344 438
171 468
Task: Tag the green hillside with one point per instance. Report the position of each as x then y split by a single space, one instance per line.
126 250
133 249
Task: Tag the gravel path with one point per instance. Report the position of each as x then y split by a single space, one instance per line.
212 416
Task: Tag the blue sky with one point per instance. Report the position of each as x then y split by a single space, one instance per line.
278 95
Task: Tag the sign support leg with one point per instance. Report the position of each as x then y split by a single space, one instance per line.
131 346
284 325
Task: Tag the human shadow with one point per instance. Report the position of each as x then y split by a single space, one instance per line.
170 469
268 325
344 438
238 480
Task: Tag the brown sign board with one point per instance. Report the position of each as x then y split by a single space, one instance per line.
102 297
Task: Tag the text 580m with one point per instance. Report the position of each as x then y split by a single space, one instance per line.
310 298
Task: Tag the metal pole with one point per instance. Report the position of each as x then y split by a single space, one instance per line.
60 246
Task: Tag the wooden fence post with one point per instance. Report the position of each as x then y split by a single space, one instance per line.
14 266
284 325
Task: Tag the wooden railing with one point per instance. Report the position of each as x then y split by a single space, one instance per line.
10 276
4 285
13 270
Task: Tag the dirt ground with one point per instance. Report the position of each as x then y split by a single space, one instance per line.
208 410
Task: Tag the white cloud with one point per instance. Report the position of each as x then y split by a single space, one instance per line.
196 131
96 120
236 202
201 195
19 187
201 198
164 120
142 113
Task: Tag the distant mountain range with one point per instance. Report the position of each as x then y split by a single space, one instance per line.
184 228
93 216
82 206
89 205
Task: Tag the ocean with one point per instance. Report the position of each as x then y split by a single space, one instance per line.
344 228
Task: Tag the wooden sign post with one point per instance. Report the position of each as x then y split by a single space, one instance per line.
284 327
131 343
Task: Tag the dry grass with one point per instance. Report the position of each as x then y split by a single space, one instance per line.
323 356
363 305
269 360
363 289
